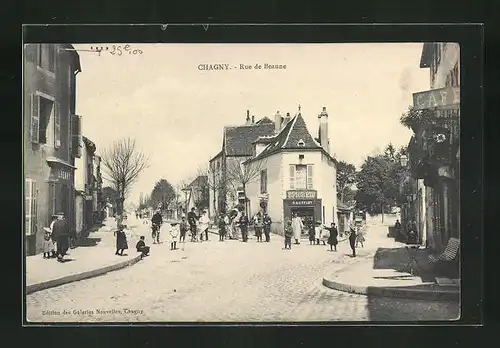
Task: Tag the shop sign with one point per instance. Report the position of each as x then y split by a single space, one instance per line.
301 194
301 202
61 174
441 97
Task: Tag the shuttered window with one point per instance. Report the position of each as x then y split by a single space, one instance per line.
76 136
263 181
57 126
292 177
35 119
309 177
30 207
46 56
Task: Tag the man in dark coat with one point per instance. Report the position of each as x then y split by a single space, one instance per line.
61 234
332 239
352 240
156 221
244 227
267 227
192 221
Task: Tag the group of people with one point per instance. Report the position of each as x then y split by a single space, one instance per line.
56 238
317 233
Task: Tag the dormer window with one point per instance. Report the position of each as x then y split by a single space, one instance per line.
301 143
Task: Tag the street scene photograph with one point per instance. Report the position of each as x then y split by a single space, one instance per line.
241 183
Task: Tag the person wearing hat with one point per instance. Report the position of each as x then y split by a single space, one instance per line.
297 226
312 233
332 239
183 227
121 240
192 221
156 222
48 242
322 233
288 234
223 220
352 239
60 231
204 224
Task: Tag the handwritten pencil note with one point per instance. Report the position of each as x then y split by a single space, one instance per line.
117 50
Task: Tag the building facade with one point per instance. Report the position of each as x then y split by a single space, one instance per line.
225 193
434 151
85 188
297 173
50 127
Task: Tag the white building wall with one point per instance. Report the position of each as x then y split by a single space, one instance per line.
450 56
81 169
329 189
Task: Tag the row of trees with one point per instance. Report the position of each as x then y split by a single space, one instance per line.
377 182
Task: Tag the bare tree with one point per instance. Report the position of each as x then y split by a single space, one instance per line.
123 164
215 183
240 174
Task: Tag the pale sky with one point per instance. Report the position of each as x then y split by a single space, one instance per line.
176 112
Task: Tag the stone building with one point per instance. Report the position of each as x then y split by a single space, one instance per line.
50 129
297 174
434 150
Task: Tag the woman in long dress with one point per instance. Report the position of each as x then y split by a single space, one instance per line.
297 227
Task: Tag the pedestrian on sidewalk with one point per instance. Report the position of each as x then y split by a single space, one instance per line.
142 248
183 227
192 221
60 230
204 224
332 238
173 231
288 232
243 223
297 227
352 240
258 224
267 227
312 233
121 240
48 243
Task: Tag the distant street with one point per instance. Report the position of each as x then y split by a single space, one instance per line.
225 281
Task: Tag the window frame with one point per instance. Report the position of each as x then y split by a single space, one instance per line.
51 55
263 181
52 143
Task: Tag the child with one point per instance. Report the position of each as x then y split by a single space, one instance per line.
184 227
360 238
121 241
222 227
142 248
174 236
48 244
312 233
288 234
323 233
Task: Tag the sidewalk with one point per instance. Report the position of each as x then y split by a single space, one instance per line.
382 270
95 257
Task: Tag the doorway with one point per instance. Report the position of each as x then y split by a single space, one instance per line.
307 216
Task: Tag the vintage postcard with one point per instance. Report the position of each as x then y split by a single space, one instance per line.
241 182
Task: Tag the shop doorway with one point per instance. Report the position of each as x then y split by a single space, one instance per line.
307 216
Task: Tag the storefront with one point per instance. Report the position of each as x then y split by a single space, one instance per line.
305 204
61 190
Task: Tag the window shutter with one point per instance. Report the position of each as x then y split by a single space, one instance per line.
76 136
27 207
292 177
57 126
35 118
33 208
309 177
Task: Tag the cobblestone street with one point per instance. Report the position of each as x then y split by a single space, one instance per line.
225 281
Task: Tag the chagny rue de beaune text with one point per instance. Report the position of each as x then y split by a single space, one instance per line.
264 66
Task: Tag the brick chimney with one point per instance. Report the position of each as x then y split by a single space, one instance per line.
287 119
323 130
248 121
277 122
253 119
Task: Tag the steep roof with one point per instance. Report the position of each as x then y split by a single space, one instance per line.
291 134
238 140
200 181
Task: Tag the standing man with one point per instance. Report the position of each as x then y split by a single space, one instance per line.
156 222
244 227
60 231
352 240
297 227
192 223
267 227
258 224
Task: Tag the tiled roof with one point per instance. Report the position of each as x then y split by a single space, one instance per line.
238 140
200 181
289 137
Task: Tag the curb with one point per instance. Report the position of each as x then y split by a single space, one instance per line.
80 276
435 295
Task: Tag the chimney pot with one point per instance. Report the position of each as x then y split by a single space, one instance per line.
324 108
253 119
287 114
248 112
